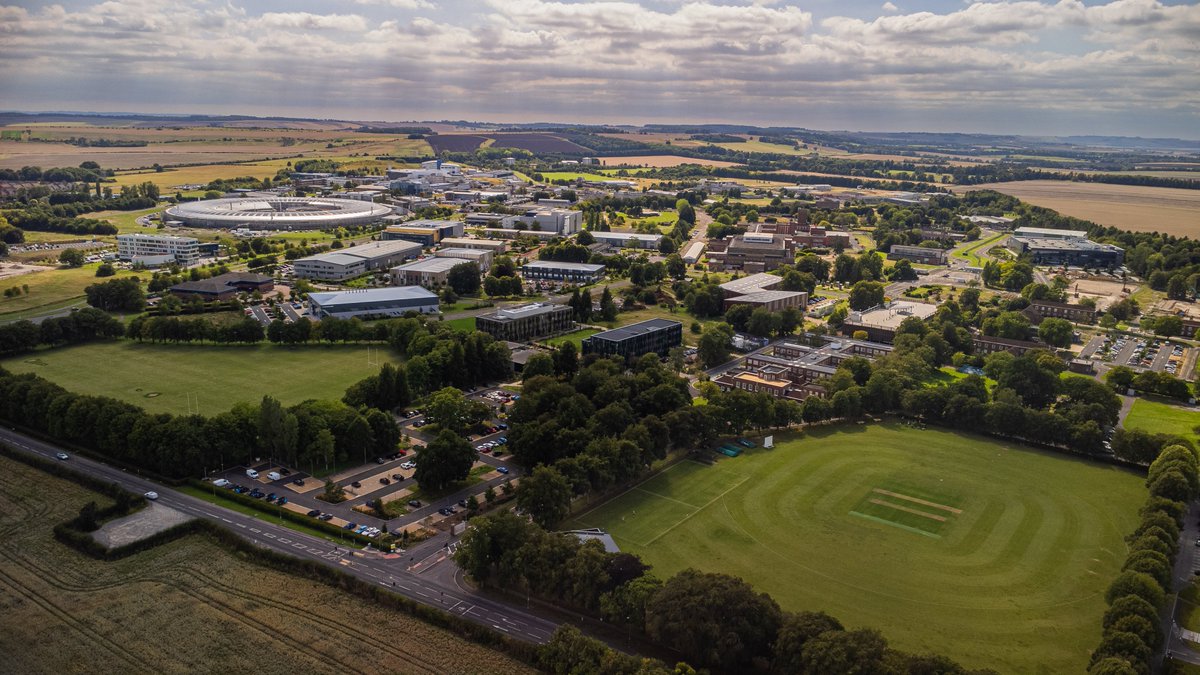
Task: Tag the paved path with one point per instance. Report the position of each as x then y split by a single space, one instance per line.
1187 564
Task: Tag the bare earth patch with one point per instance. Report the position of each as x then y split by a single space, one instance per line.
146 523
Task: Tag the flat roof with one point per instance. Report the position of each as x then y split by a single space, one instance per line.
389 294
523 311
1050 232
430 265
375 249
557 265
766 296
892 314
1066 244
626 236
751 284
634 329
472 252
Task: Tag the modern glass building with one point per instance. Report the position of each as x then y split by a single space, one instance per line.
654 335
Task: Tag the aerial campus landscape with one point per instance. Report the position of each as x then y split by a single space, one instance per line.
442 336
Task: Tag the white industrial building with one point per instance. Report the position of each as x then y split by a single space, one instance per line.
628 239
153 250
480 257
354 261
394 301
492 245
559 221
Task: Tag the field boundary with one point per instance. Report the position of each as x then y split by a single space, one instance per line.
698 509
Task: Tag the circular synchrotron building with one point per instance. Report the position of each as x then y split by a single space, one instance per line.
277 213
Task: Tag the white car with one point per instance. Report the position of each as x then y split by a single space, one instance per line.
408 465
252 473
220 482
151 495
63 455
274 475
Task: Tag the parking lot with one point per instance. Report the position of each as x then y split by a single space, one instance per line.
1139 353
389 479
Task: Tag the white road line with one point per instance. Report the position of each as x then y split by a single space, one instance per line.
227 520
240 525
499 627
255 530
268 534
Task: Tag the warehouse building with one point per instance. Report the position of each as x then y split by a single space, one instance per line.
919 254
772 301
558 221
496 247
628 239
656 336
579 273
355 261
430 272
395 301
153 250
691 254
478 256
527 323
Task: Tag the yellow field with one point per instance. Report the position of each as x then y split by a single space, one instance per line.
659 161
1129 207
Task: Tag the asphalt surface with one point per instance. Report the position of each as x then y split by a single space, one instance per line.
1187 565
410 575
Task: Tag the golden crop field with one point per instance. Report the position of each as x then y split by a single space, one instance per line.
189 606
660 161
1130 207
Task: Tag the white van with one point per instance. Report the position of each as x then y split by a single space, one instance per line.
220 482
252 473
274 475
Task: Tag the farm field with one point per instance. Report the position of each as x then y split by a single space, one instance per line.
659 161
188 606
1161 417
160 378
994 555
1131 207
50 288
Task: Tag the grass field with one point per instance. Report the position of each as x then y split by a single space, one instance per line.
576 337
1163 417
994 555
659 161
188 606
50 289
970 252
1130 207
160 378
465 324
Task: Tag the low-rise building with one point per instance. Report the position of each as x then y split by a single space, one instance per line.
1046 309
990 344
489 220
628 239
750 284
153 250
797 370
656 336
394 301
479 256
880 322
559 221
772 301
354 261
578 273
691 254
424 232
919 254
527 323
224 287
430 272
496 247
1073 251
752 252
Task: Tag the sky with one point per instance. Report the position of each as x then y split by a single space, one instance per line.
1123 67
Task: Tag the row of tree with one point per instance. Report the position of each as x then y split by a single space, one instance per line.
84 325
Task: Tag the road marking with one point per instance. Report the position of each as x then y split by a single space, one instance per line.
240 525
268 534
499 627
284 541
255 530
227 520
297 545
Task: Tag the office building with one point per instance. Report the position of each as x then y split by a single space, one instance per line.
656 336
559 221
919 254
1045 309
750 284
430 272
476 255
880 322
988 344
394 301
496 247
423 232
527 323
772 301
354 261
153 250
1072 251
628 239
552 270
797 371
224 287
751 252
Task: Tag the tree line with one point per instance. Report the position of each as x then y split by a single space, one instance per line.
85 325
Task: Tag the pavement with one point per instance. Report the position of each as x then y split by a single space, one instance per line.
1187 566
442 589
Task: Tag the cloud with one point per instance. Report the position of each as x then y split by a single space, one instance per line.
1010 61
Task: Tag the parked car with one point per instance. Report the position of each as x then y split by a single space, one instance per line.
271 497
415 503
298 481
380 460
325 516
256 494
397 477
313 514
462 503
220 482
281 501
385 481
350 526
356 484
408 465
502 469
151 495
251 473
274 475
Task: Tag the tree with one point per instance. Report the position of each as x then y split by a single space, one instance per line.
333 493
762 322
866 294
608 308
71 257
105 270
903 271
566 360
714 620
124 295
278 431
1057 332
714 345
452 411
448 458
1138 584
546 496
464 278
797 629
860 651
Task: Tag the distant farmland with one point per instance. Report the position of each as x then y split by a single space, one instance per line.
659 161
538 143
1131 207
454 142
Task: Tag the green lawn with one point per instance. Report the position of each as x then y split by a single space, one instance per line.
577 337
970 252
465 324
995 555
160 378
1163 417
574 175
51 289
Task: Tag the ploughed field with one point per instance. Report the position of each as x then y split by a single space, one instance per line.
211 378
993 554
188 606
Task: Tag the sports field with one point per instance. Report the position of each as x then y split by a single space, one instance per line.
1161 417
994 555
162 378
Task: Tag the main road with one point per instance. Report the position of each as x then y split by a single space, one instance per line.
402 574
